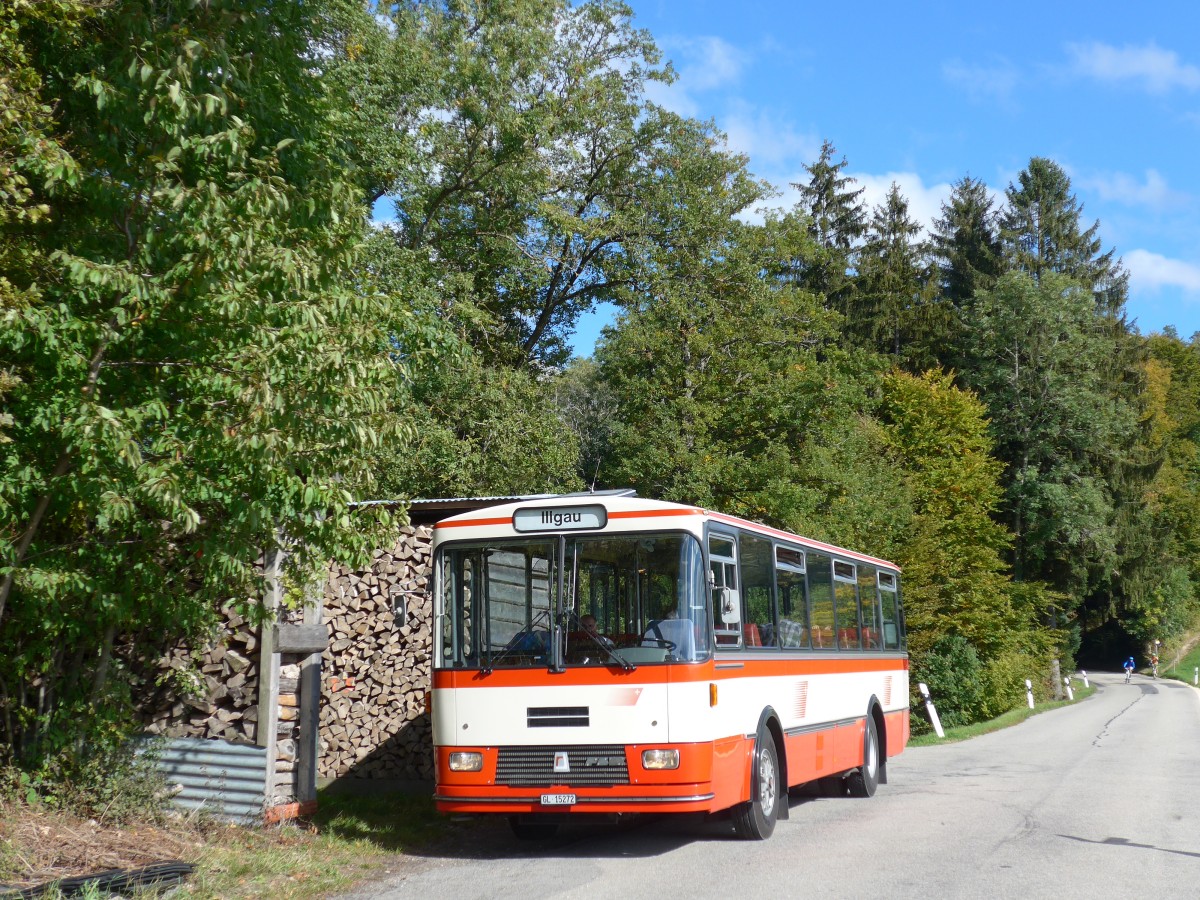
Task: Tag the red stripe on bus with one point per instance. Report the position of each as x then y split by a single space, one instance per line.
505 520
748 667
734 520
651 513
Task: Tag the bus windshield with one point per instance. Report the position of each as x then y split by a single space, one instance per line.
561 602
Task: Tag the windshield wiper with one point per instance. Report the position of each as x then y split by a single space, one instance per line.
516 643
603 643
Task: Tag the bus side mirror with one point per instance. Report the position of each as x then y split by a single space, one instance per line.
725 601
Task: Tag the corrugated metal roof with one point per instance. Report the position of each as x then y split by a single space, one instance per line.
226 780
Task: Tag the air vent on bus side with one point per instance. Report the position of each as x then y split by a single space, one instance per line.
557 717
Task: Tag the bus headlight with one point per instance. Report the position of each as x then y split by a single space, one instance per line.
660 759
466 761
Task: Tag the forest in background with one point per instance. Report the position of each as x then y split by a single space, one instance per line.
209 345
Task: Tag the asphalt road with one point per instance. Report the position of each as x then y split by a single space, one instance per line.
1097 800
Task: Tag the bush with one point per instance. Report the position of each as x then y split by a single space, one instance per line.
954 674
1004 682
110 786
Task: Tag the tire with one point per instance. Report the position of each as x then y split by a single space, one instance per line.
532 828
755 821
863 781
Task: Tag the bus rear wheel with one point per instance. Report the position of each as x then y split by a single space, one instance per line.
865 780
755 820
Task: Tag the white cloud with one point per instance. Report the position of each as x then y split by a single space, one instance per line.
1119 187
1152 271
1155 69
924 202
981 81
770 141
702 64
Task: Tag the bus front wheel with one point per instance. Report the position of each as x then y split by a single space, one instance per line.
862 783
755 820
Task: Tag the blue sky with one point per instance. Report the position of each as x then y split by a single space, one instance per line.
922 94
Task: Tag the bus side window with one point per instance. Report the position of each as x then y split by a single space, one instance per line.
845 592
792 597
868 598
820 600
726 600
890 598
758 589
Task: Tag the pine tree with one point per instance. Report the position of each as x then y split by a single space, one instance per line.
1041 232
966 242
894 309
836 221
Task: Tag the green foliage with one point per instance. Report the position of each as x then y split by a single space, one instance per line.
966 242
1041 232
198 374
956 585
1038 352
836 220
481 431
114 784
954 674
896 309
723 399
516 147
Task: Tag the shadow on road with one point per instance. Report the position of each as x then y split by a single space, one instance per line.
580 837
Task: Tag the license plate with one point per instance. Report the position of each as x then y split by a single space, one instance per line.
558 799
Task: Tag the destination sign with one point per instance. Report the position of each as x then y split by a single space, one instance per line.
560 518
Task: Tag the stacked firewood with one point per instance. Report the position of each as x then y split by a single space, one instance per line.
211 690
375 671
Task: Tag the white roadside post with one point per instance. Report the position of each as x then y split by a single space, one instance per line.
1196 676
1029 692
1067 685
1083 672
933 716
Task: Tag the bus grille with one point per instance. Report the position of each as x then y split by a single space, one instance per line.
591 764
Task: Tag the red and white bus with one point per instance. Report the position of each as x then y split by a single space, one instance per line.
610 654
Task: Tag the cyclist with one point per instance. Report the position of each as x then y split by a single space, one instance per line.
1154 664
1129 665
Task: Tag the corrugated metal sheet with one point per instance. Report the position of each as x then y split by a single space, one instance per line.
226 780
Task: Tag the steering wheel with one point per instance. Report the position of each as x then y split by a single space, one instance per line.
669 646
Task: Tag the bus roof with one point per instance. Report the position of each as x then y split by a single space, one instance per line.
638 513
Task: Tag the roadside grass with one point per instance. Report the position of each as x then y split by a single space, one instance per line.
1185 669
348 840
1005 720
351 838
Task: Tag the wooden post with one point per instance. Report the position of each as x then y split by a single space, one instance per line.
268 669
310 703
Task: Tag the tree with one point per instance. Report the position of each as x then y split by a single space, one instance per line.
836 221
518 161
731 395
197 373
895 308
966 242
481 431
956 584
1041 232
1038 353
